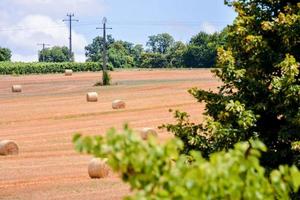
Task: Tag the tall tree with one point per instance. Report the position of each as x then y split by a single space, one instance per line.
137 52
5 54
260 98
201 39
199 56
54 54
160 43
175 54
202 49
93 51
119 55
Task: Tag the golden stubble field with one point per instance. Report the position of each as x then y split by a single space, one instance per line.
51 108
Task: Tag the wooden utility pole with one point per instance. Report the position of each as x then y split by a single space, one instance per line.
70 20
43 50
104 56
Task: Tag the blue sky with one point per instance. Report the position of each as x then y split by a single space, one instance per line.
24 23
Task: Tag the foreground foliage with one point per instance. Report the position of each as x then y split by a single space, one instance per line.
43 68
160 172
260 98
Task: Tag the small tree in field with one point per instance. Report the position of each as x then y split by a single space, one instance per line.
260 98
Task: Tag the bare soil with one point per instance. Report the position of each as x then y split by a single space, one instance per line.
51 108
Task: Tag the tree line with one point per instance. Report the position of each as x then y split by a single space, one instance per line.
161 51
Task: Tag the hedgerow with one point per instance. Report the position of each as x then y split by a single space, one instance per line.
45 68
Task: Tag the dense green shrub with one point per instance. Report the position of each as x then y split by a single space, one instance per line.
159 171
43 68
106 78
154 60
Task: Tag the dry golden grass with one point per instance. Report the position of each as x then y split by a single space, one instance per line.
43 119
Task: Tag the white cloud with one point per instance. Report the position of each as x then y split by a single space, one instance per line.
24 58
34 58
34 29
4 16
208 27
80 58
24 23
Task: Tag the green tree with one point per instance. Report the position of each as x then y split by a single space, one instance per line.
93 51
5 54
153 60
175 54
201 39
260 97
119 55
127 45
157 172
199 56
54 54
202 49
160 43
136 53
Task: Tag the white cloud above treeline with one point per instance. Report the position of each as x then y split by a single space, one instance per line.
209 28
35 29
25 23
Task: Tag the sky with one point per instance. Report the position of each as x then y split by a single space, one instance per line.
26 23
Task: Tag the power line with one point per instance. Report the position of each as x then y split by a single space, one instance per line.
163 23
127 24
70 20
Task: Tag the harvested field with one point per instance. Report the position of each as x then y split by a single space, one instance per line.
51 108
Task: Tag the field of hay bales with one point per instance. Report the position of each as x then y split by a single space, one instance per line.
51 108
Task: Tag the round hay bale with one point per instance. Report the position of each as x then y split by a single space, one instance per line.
68 72
146 132
16 88
118 104
98 168
8 147
92 97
